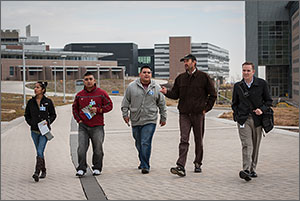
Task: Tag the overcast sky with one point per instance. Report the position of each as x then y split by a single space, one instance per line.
145 23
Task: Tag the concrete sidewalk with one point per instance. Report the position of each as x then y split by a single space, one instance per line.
278 167
18 162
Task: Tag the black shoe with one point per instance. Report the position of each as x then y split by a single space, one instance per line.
179 170
245 174
35 176
139 167
145 171
43 175
253 174
197 168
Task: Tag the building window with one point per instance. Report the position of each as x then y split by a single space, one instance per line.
144 60
296 47
11 71
296 92
296 25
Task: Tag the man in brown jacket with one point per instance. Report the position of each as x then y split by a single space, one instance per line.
196 93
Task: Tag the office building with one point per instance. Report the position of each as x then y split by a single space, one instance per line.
146 57
272 28
161 61
293 7
210 58
43 63
126 54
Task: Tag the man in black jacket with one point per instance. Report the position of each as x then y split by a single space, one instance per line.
197 95
250 100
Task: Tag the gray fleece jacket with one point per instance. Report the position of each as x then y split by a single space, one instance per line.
143 104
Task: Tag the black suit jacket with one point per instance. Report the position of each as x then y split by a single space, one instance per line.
260 98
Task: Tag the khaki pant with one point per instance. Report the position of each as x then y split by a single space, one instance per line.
250 140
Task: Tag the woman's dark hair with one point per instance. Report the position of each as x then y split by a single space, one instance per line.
43 85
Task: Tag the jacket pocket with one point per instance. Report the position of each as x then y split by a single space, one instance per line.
151 113
134 114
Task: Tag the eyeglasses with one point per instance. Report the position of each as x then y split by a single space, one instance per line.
145 72
87 79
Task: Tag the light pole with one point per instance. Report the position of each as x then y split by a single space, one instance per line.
124 79
98 77
55 77
24 75
64 76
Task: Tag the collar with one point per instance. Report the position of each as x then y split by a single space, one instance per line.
34 97
254 81
193 73
93 89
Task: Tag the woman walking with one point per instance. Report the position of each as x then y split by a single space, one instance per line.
39 108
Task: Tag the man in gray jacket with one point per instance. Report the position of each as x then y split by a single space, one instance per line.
143 99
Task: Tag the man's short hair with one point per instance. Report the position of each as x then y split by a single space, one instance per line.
249 63
88 74
145 66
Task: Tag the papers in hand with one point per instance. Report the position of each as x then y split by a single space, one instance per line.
43 127
86 110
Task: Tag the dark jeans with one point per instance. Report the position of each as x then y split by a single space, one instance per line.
96 134
186 122
143 141
40 142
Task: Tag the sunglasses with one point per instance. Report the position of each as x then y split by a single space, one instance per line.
87 79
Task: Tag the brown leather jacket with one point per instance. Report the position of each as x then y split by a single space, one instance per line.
196 92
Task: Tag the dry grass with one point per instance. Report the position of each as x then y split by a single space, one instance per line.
288 116
14 103
11 104
108 85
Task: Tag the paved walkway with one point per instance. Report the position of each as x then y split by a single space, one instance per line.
278 167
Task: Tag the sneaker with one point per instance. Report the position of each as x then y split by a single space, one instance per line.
80 173
179 170
96 172
253 174
35 176
145 171
245 174
197 168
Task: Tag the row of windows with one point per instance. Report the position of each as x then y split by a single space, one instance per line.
267 61
272 23
273 28
144 60
296 25
273 48
7 56
295 91
296 15
295 83
296 47
295 61
295 70
295 38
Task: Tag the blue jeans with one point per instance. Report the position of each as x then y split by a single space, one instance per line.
40 142
143 142
96 134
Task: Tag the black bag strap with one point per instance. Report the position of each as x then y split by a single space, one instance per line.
246 94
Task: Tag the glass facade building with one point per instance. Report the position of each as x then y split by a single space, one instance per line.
270 42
